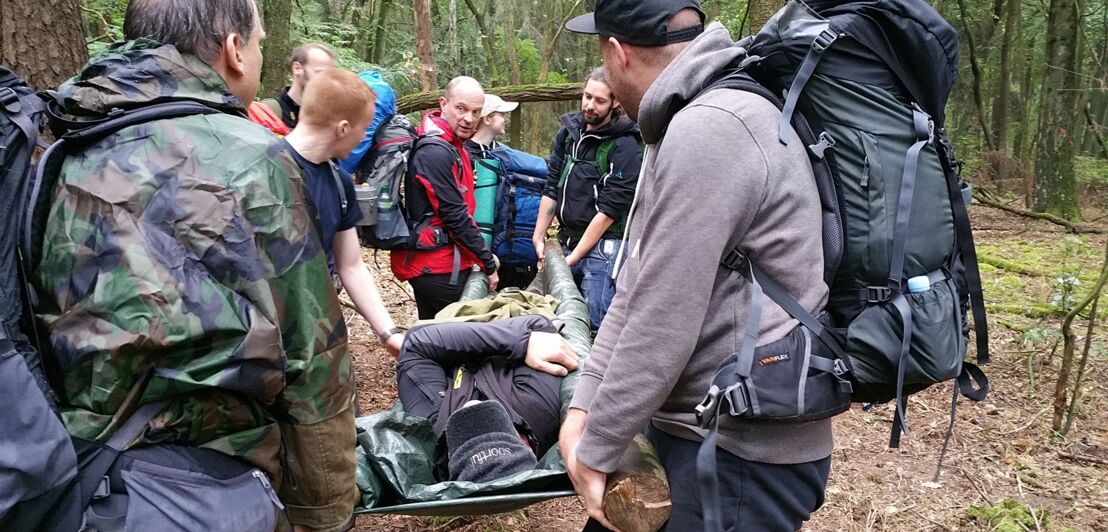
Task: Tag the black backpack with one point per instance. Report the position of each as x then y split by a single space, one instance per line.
898 250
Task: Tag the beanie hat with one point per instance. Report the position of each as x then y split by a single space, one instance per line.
483 444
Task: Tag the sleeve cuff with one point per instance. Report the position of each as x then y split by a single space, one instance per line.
586 390
599 452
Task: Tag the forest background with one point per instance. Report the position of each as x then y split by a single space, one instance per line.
1028 116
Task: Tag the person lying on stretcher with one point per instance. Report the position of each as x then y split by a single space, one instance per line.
491 391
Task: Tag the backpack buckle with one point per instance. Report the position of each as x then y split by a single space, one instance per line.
708 409
738 404
734 259
824 40
9 100
878 294
826 141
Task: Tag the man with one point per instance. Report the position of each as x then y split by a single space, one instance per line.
337 108
715 177
517 363
181 272
592 172
306 61
440 202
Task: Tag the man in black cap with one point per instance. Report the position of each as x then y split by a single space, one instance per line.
492 391
715 177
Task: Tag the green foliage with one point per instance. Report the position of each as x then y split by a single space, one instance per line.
1010 516
1092 170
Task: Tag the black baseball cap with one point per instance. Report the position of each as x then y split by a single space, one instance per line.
637 22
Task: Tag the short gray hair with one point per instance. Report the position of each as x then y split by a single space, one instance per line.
196 27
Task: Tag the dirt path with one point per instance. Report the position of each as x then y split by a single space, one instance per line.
1001 448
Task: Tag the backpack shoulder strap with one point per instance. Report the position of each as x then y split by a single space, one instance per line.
602 154
337 176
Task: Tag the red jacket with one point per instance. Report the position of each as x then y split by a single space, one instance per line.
440 202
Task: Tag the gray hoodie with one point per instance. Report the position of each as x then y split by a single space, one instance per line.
714 176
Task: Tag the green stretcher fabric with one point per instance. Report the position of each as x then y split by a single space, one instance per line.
396 450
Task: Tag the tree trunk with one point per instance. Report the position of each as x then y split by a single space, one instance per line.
277 20
43 40
424 47
976 70
487 38
1025 142
510 48
1002 104
1056 183
759 12
637 497
378 54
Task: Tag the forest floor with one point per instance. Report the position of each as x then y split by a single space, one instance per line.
1003 470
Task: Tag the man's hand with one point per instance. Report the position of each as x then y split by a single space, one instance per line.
540 248
572 259
494 280
394 343
550 353
588 482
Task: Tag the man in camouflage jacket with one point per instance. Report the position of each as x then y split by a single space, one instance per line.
180 263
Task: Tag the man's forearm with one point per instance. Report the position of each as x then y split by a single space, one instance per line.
546 217
599 224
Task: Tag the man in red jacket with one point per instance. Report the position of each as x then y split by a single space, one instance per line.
440 203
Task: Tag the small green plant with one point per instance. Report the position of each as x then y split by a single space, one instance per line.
1010 516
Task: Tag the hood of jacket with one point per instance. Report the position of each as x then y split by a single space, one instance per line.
684 78
142 72
619 126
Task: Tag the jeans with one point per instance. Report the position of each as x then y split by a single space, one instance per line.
593 275
753 495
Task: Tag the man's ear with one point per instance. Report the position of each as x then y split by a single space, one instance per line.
442 103
343 128
230 54
619 52
297 69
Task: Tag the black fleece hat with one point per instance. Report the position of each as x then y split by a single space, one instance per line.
483 445
637 22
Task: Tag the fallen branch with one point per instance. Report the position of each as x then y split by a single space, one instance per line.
1019 310
1007 265
1083 458
1070 226
559 92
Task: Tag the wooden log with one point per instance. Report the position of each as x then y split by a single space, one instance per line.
562 92
637 497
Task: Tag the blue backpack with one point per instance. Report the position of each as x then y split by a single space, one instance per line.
519 193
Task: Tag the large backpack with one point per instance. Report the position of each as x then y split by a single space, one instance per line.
50 480
518 196
898 250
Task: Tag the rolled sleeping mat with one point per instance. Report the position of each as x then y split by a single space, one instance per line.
487 174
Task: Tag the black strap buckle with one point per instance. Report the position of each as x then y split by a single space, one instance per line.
9 100
824 40
878 294
738 404
734 259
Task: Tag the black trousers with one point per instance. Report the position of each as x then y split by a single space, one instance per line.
753 496
433 292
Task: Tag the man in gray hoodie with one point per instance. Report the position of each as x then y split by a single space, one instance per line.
715 177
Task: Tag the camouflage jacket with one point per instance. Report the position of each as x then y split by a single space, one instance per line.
184 249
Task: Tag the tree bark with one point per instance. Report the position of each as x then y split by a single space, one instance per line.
510 49
517 93
424 45
760 11
487 38
277 20
43 40
1002 104
380 36
976 70
1056 183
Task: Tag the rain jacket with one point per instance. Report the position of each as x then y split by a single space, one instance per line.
183 249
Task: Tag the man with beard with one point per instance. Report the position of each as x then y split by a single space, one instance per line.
440 203
593 170
306 61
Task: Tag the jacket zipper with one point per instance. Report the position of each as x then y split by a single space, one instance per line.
576 149
260 475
